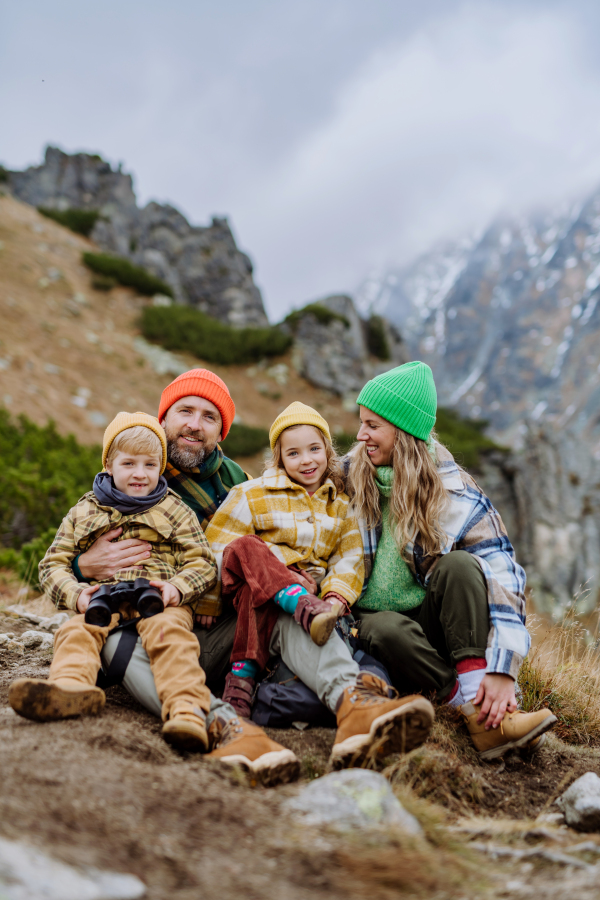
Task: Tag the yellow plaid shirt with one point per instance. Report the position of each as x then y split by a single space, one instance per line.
180 553
315 533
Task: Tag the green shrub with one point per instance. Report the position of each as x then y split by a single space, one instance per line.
377 342
31 554
343 440
81 221
103 282
126 273
243 440
322 314
463 437
42 475
184 328
3 175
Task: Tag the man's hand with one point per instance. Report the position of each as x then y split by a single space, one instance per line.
305 579
171 595
497 696
206 621
107 555
83 601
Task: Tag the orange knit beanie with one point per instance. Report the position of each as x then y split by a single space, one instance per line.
199 383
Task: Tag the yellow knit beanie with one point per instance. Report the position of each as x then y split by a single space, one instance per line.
124 420
297 414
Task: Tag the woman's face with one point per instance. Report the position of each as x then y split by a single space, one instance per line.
379 436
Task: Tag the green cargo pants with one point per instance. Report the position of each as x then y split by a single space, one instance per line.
420 647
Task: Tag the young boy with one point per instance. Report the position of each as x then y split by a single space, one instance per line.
131 493
282 538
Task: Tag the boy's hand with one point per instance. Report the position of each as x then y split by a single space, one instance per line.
83 601
497 696
107 555
206 621
170 594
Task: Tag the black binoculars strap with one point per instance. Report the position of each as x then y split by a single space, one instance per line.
121 658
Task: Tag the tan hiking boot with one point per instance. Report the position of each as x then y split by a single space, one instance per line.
518 729
239 742
50 701
317 617
186 730
369 721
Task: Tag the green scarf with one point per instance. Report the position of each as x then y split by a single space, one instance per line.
392 585
204 488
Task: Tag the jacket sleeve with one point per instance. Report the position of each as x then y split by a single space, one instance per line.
345 567
194 560
485 537
55 572
232 520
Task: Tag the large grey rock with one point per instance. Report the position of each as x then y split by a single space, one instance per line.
334 355
202 265
581 803
354 798
29 874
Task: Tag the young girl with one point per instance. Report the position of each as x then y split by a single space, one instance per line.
282 538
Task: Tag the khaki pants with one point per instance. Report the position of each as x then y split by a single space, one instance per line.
172 651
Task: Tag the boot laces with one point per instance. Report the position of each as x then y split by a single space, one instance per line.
373 691
231 728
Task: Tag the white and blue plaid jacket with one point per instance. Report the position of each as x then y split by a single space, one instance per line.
471 523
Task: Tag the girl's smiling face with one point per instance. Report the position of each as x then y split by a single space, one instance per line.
378 435
303 455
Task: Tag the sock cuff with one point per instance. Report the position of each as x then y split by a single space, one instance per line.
470 664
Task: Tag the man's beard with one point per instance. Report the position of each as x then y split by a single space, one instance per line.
181 457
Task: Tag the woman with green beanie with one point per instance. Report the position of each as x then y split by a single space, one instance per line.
443 603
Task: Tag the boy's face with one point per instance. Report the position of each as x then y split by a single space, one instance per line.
303 455
135 474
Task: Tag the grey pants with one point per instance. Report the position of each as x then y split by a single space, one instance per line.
327 670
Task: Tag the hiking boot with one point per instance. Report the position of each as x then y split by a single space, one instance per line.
239 693
186 730
369 722
50 701
517 729
317 617
238 742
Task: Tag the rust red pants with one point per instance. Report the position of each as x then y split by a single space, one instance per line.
251 575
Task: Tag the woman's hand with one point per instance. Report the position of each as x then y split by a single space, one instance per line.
206 621
497 696
83 601
171 596
107 556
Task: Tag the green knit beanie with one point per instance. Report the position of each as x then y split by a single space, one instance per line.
405 396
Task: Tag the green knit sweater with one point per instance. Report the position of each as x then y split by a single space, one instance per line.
391 585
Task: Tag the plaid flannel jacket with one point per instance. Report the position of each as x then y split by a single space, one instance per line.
471 523
180 552
316 533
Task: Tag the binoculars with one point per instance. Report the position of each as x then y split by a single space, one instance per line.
145 599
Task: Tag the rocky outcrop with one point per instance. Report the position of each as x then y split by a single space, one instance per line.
202 264
548 495
333 352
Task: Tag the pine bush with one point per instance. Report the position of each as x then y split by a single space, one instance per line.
126 273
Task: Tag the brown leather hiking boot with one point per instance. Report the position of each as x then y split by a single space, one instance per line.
239 693
317 617
370 722
518 729
238 742
186 730
50 701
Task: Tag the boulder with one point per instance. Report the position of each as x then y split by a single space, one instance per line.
354 798
581 803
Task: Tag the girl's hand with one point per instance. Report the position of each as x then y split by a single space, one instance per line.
497 696
332 598
171 596
305 579
83 601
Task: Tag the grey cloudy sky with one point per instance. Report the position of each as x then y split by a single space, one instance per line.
337 135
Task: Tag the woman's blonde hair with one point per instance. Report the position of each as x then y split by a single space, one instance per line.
417 499
137 439
333 470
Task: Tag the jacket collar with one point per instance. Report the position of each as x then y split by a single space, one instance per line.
276 479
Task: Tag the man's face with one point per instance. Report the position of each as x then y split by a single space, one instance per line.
193 427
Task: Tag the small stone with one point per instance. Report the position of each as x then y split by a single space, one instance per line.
43 282
53 623
98 418
581 803
161 300
51 369
37 640
354 798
